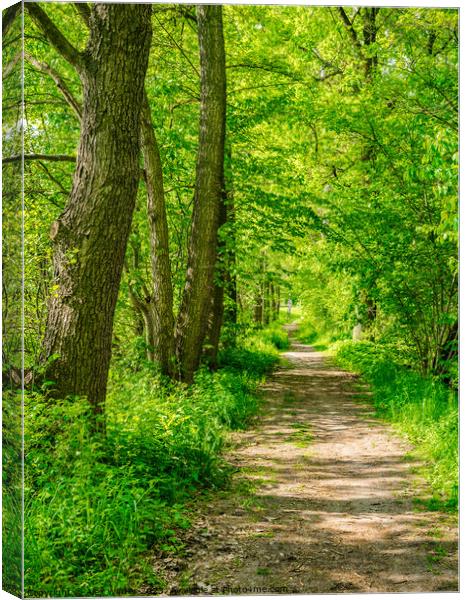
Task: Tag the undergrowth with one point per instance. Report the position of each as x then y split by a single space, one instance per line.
422 407
97 505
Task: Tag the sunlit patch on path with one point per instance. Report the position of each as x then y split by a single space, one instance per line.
322 501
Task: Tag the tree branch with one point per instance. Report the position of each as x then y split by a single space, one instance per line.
8 17
350 28
62 87
56 181
54 36
83 10
9 68
268 68
50 157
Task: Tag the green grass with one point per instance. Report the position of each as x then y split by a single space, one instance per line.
302 437
421 407
307 334
11 492
96 506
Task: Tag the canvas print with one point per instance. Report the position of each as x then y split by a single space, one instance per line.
230 288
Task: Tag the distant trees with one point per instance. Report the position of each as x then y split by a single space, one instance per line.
386 201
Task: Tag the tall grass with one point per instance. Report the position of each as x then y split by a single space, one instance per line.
96 505
11 491
423 408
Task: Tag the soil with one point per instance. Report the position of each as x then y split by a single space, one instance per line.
323 500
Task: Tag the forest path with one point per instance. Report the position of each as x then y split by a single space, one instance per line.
322 501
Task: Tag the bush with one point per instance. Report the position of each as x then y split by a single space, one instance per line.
95 505
257 352
422 407
307 333
270 338
11 491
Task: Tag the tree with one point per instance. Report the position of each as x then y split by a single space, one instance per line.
90 235
158 309
193 313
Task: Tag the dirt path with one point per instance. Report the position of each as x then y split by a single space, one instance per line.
322 502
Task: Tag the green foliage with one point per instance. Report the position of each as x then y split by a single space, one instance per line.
272 335
95 504
11 491
345 199
258 350
307 333
422 407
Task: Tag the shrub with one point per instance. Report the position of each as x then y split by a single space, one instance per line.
95 504
257 352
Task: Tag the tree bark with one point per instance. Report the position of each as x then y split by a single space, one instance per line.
195 303
223 303
370 62
91 234
266 301
216 313
277 301
258 306
230 278
161 309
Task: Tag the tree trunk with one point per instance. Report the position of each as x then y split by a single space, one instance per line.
195 304
223 305
161 309
277 301
214 325
258 308
90 236
266 301
272 302
369 59
215 320
230 278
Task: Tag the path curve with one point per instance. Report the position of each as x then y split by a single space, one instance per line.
322 502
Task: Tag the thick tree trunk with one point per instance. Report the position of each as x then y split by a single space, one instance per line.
90 236
161 309
223 304
195 304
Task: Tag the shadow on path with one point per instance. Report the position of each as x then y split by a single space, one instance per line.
322 502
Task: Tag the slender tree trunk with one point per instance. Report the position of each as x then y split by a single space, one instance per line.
230 278
195 304
161 309
369 60
230 311
215 320
278 301
90 236
266 301
258 308
272 302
